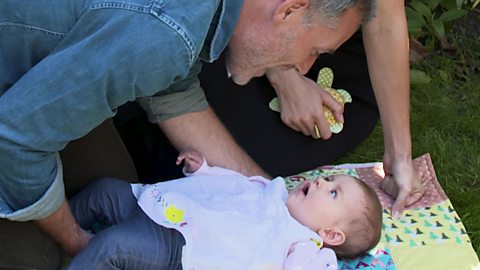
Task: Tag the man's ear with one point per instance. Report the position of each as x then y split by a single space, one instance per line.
332 237
286 8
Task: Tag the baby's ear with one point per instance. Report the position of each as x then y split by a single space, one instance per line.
332 236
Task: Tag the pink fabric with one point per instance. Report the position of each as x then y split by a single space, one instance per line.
307 256
426 173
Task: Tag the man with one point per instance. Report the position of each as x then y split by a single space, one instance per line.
372 66
68 65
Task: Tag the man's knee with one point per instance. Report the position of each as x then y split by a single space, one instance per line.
108 186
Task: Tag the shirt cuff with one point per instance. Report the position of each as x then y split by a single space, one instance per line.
45 206
164 106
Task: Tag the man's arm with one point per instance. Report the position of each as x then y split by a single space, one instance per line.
386 46
63 228
204 132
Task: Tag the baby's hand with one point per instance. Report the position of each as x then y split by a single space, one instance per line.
192 160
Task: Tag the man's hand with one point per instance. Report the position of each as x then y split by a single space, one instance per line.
401 182
301 102
192 160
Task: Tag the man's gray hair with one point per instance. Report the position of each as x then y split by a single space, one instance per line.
329 11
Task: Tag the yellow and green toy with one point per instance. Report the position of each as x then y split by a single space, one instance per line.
325 80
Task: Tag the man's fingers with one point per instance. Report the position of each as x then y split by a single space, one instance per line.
389 186
324 129
417 193
399 204
291 123
338 116
322 126
414 197
334 106
306 130
405 199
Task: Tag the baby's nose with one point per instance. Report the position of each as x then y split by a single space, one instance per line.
319 181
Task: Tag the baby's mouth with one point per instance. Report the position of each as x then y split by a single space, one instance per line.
305 187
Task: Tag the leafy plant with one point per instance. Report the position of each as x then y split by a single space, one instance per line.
430 20
474 3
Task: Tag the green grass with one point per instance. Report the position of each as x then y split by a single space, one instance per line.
445 122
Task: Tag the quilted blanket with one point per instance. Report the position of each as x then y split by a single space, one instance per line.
429 235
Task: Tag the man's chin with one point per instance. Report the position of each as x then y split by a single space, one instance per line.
240 81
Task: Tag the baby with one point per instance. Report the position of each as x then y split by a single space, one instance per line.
220 219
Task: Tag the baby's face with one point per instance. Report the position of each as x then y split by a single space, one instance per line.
325 203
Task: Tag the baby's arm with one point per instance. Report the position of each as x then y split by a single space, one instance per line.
195 163
193 160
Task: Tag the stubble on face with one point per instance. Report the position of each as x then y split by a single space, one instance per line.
251 53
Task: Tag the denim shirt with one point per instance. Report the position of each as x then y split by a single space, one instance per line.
66 65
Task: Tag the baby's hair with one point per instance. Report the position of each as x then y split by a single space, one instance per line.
363 230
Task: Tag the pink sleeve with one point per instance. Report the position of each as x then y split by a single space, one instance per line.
206 169
308 256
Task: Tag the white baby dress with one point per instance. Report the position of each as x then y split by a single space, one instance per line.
230 221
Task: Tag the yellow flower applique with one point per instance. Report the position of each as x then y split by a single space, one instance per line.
173 214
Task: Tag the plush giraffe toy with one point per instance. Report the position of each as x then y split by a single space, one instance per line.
325 80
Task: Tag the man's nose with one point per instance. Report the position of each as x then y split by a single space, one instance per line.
305 66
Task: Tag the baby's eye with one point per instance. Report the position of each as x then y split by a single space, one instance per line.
333 192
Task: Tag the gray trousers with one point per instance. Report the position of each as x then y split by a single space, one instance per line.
132 241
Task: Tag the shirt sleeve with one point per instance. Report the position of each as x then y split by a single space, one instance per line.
182 97
103 62
308 256
51 199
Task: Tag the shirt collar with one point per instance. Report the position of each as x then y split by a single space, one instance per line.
221 29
